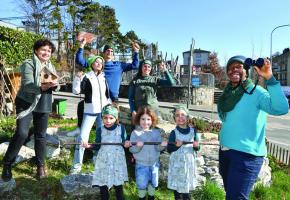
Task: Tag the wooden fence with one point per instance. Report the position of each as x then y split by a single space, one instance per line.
282 154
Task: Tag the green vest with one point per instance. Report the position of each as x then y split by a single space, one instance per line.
145 92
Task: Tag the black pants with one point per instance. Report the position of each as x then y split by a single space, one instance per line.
105 192
181 196
80 112
40 121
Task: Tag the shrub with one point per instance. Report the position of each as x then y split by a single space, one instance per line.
7 128
205 126
16 46
209 191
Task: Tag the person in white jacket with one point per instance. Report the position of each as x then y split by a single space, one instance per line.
94 85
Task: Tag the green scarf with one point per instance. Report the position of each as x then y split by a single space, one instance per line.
231 96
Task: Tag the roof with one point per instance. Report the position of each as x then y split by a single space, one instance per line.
197 51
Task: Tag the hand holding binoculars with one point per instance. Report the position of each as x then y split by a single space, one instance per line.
249 62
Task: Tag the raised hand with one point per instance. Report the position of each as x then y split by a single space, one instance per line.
266 70
135 46
162 67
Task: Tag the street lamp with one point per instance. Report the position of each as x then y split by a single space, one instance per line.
271 38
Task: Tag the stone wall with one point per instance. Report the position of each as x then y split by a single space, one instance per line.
179 94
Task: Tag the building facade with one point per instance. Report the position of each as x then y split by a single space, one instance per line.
281 67
200 58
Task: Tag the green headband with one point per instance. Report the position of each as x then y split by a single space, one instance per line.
181 107
110 110
148 62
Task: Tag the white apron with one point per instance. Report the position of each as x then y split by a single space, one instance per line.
182 167
110 163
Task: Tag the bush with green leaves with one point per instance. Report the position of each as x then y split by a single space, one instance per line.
16 46
205 126
7 128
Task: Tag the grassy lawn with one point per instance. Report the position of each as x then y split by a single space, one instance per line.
50 188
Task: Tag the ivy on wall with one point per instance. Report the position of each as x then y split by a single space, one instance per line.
16 46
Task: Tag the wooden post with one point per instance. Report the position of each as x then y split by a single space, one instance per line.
190 71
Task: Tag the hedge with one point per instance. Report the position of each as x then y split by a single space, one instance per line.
16 46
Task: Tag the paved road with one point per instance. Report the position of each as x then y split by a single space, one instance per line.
278 127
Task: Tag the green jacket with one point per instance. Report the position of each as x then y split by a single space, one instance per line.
28 89
143 91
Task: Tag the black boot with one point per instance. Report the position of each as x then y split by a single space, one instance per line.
150 197
40 173
6 172
177 195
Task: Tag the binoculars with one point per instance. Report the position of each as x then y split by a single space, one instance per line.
249 62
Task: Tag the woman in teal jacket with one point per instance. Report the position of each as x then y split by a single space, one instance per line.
242 136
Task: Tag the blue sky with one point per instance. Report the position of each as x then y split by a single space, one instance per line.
229 27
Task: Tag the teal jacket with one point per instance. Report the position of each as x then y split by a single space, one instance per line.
244 127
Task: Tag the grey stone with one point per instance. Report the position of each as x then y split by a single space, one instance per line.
264 176
200 161
78 184
7 186
51 130
51 151
25 153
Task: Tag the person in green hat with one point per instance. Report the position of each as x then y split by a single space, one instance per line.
113 72
110 162
143 87
94 85
113 69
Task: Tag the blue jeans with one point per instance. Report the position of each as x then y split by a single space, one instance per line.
87 124
146 174
239 171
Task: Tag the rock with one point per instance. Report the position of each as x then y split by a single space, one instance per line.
167 127
200 180
25 153
199 161
211 163
51 131
200 171
64 139
52 140
7 186
209 136
264 176
163 169
78 184
51 151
